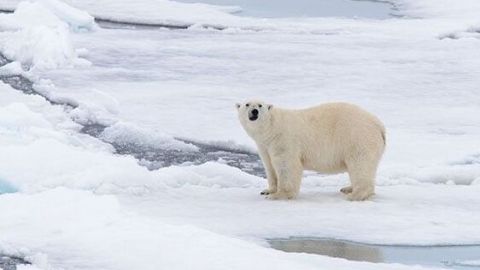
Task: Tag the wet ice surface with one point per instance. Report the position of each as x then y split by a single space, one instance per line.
438 256
307 8
154 158
10 263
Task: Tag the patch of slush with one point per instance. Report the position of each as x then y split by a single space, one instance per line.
453 257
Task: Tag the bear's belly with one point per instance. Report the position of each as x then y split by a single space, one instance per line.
325 166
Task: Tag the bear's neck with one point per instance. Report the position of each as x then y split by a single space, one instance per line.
268 133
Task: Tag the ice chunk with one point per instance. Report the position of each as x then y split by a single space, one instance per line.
29 14
123 133
10 69
78 20
18 116
42 38
40 46
6 187
51 13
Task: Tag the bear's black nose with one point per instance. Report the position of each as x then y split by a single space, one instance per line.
253 115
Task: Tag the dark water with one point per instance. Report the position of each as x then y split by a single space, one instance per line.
10 263
307 8
154 158
449 257
113 24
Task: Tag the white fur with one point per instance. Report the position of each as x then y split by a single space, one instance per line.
330 138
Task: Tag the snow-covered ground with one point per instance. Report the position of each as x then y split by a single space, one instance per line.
80 206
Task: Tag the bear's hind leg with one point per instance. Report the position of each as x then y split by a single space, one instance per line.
289 175
362 177
347 190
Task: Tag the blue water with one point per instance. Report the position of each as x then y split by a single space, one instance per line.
447 257
6 187
307 8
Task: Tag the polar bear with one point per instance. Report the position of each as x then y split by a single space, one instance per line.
329 138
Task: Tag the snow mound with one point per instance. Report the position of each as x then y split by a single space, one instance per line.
41 46
49 13
470 263
28 14
455 9
38 152
96 112
226 9
476 181
11 69
78 20
96 107
124 134
210 174
41 36
152 12
159 12
17 117
27 267
459 174
470 32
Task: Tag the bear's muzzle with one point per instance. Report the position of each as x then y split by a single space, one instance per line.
253 115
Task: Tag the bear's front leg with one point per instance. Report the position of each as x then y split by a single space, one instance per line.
289 173
269 170
268 191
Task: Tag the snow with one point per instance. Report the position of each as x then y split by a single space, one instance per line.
394 81
153 11
451 9
69 202
42 39
77 19
108 233
27 267
6 187
13 68
306 8
40 46
49 13
129 134
472 263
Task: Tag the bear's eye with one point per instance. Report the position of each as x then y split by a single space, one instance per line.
248 104
260 105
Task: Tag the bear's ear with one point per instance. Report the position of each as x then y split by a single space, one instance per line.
238 105
269 106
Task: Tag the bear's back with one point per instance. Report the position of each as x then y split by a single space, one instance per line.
334 131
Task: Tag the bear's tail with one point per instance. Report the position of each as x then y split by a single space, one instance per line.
384 137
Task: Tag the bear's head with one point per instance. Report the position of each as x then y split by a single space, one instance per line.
254 116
